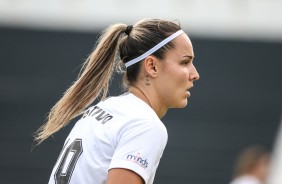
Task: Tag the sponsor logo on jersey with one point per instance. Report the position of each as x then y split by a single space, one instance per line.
137 159
99 114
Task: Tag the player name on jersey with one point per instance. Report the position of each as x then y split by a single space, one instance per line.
99 114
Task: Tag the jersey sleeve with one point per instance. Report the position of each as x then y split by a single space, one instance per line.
139 147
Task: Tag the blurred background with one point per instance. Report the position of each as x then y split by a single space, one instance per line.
236 103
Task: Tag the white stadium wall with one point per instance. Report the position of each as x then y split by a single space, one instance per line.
241 19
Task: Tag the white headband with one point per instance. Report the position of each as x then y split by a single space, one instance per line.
154 49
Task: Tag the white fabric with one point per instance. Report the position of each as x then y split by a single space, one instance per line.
120 132
154 49
246 179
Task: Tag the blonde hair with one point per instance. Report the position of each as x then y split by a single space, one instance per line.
93 79
97 70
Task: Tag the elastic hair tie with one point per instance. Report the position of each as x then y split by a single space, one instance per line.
128 29
154 49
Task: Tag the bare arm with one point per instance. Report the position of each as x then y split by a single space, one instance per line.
123 176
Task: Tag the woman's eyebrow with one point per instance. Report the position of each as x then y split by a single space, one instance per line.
191 57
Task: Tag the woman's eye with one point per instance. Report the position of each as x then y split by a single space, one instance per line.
185 62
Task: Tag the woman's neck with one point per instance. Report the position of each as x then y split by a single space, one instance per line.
144 95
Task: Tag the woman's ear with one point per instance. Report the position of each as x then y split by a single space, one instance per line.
151 65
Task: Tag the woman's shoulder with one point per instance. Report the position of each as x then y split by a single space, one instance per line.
125 112
128 105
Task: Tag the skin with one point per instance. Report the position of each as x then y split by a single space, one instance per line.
162 84
123 176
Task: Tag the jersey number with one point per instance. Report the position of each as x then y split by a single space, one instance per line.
68 161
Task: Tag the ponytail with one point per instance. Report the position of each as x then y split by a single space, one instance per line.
92 81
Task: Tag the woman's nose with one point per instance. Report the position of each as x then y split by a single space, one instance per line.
194 75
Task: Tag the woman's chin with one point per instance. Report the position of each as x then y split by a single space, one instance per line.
181 104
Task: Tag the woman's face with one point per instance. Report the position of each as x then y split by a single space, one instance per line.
176 74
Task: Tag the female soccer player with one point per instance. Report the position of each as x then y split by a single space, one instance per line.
121 139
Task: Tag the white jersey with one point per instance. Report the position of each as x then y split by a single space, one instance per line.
246 179
120 132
